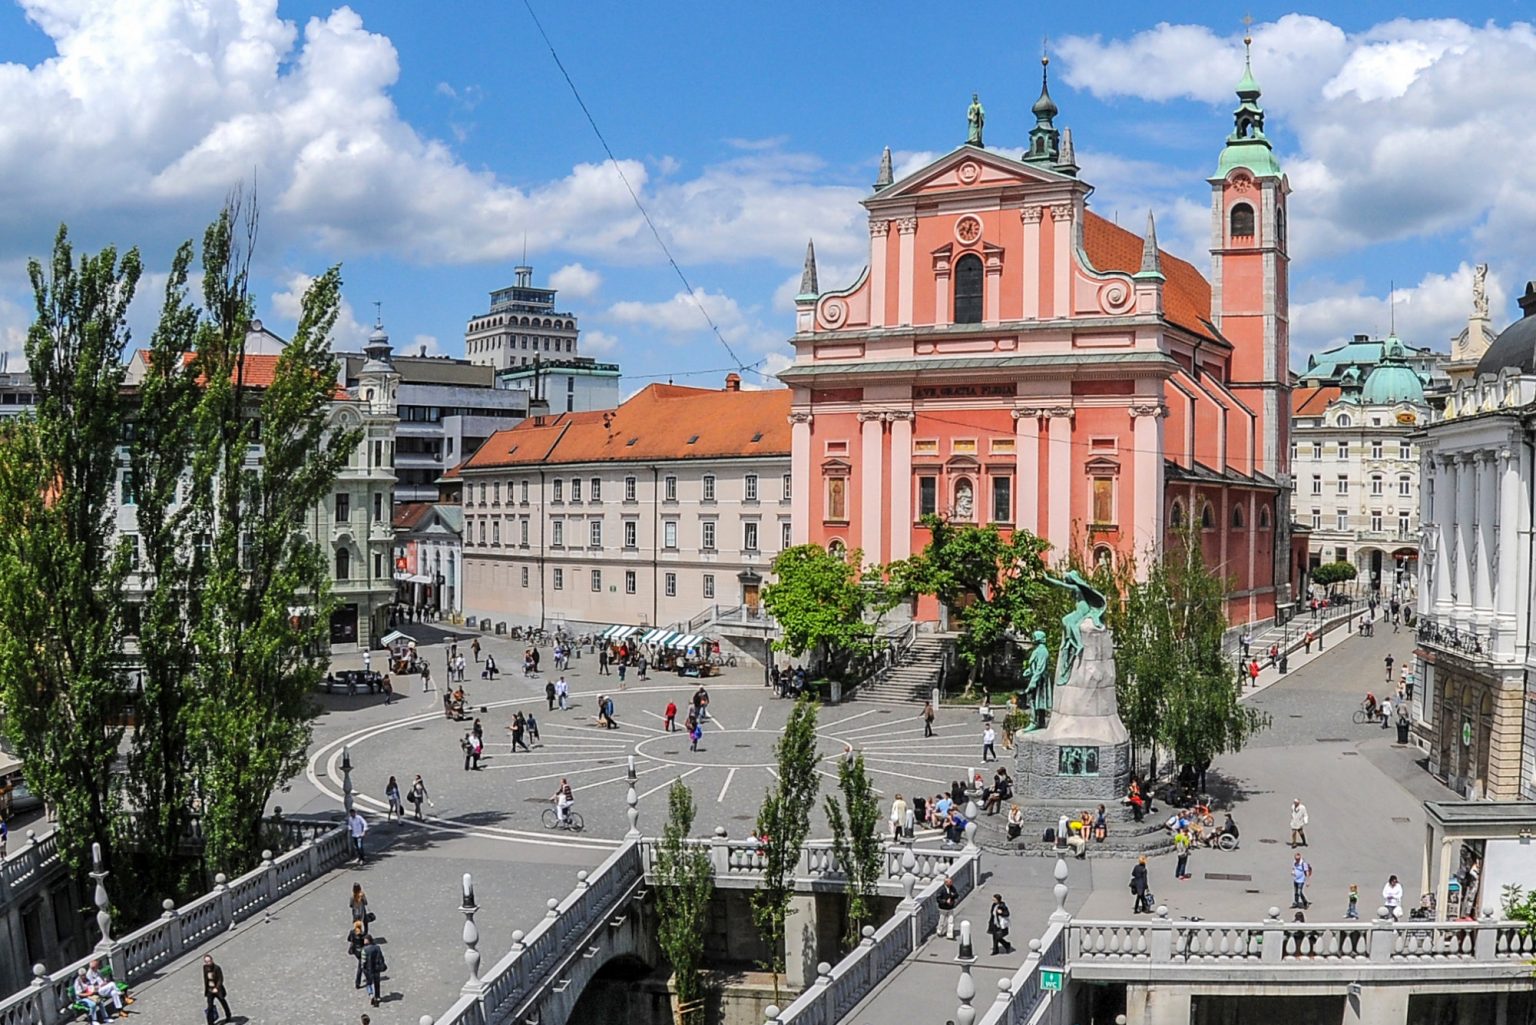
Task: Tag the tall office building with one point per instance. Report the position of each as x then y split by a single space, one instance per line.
521 323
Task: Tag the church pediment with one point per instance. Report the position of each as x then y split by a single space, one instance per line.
968 167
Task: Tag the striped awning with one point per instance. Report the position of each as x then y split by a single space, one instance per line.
652 635
617 633
684 640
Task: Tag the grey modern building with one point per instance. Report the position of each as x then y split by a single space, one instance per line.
522 325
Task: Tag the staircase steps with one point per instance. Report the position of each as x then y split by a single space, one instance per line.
912 681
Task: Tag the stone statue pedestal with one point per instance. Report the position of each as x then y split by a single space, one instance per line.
1083 755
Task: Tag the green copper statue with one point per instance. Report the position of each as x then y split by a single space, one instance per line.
975 117
1038 692
1090 606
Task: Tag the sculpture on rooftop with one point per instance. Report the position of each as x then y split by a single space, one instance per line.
975 118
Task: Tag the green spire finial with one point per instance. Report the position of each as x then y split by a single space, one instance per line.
1044 140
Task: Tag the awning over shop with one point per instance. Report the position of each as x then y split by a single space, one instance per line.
395 637
421 578
684 640
652 635
617 633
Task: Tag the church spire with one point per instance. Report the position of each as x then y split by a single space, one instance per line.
1044 140
1151 259
884 178
1247 146
1068 162
808 287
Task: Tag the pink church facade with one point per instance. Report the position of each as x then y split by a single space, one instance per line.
1009 356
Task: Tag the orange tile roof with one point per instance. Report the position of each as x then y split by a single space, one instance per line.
259 370
1312 401
408 515
1186 293
662 421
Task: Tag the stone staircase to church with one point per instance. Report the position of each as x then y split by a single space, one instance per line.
913 677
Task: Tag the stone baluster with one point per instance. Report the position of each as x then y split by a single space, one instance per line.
965 986
471 939
1383 935
107 947
633 811
226 900
1060 892
1273 936
268 879
771 1015
823 974
582 881
172 919
1160 935
554 909
1485 943
720 853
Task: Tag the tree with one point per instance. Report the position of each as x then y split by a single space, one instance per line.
857 841
682 904
61 577
783 823
1330 573
823 604
992 584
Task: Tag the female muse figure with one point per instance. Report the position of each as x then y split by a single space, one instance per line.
1090 606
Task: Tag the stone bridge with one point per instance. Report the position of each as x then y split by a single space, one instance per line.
38 898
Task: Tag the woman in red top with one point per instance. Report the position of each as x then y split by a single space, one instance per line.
671 716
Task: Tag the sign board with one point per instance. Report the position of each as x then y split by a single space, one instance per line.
1050 979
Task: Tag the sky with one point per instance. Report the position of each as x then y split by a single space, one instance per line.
421 147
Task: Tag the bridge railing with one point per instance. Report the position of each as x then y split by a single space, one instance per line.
29 862
839 989
742 862
179 930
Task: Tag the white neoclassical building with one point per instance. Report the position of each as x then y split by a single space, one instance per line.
1475 605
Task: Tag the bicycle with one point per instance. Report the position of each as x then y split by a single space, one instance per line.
1366 713
551 819
723 660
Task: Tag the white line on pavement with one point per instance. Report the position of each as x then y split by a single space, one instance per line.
648 793
756 717
849 718
620 779
727 785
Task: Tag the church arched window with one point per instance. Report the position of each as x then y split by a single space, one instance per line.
343 564
1176 515
1237 517
1242 221
1207 517
1280 224
968 284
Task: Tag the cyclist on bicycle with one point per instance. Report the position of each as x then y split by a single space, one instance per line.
563 799
1370 704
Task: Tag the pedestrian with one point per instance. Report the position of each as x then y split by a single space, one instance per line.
388 687
622 666
695 734
532 726
490 669
1301 874
359 905
602 661
1247 643
989 744
1139 887
1308 638
1392 898
418 794
213 989
998 923
640 667
549 694
948 898
1298 823
426 676
373 969
367 662
1386 711
392 794
701 702
471 746
927 718
517 728
1388 660
608 712
1274 654
562 693
355 949
1253 672
535 660
1181 845
1352 912
474 648
5 834
898 817
670 718
357 828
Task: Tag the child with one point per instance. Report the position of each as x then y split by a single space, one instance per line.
1354 902
694 734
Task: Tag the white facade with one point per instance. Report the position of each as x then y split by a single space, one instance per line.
521 325
429 558
567 386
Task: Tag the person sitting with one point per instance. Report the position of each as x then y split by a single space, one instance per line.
993 801
1134 799
458 702
87 999
448 706
1100 825
954 828
1077 838
1229 828
1015 822
107 991
920 809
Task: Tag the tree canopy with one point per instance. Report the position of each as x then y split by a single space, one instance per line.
1330 573
825 605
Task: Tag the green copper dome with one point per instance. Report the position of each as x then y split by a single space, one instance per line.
1392 380
1247 146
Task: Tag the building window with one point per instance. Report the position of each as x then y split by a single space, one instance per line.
709 585
1405 450
1207 517
575 489
1376 448
629 581
629 489
1376 520
131 542
786 534
1376 484
523 492
482 531
343 503
1344 420
343 564
525 576
559 491
1317 484
787 488
837 499
1404 485
496 493
597 489
1343 450
1317 519
597 580
631 532
1237 516
595 534
1317 450
1402 524
669 534
557 533
709 535
522 529
1242 221
1176 515
1002 499
709 487
1341 486
968 282
558 579
927 496
1104 500
495 532
669 489
1294 448
1341 519
670 584
378 506
749 537
751 487
1263 517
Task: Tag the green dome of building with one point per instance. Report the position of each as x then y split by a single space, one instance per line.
1392 380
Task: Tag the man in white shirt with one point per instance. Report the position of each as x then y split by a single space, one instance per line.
106 992
562 692
367 661
357 828
1392 898
989 744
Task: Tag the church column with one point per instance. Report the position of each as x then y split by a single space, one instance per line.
1061 224
994 288
1031 260
1059 518
1026 430
901 484
871 496
1444 513
1507 584
1466 494
879 232
1483 543
802 480
1147 476
907 228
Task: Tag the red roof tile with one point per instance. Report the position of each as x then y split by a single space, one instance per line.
1186 293
1312 401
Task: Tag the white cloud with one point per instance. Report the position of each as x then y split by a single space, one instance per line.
680 314
349 333
597 343
576 281
1428 314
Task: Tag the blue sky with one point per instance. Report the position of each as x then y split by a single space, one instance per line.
418 151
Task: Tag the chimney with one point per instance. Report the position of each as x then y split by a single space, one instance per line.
1528 300
733 381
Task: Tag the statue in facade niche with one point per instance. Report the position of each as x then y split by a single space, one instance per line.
975 117
1090 606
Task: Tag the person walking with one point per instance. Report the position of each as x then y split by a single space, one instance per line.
373 969
948 898
474 649
608 720
355 950
532 726
517 728
426 676
998 923
1392 898
1301 874
359 904
473 748
418 794
695 733
623 665
602 661
1298 823
357 828
213 989
1253 672
549 694
562 693
989 744
1142 904
1386 711
927 718
392 794
898 817
1352 912
670 718
1181 845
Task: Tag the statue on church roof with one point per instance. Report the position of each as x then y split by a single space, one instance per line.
1480 290
975 118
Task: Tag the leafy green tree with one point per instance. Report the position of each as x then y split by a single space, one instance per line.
682 903
823 604
61 577
785 821
993 585
1330 573
857 841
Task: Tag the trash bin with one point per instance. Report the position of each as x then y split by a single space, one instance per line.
1402 732
1285 661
